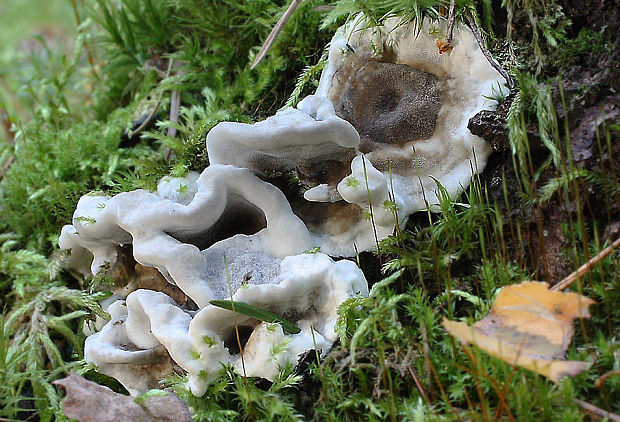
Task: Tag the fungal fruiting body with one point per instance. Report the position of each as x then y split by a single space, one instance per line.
148 331
411 104
386 127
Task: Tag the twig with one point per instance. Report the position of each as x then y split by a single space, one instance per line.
450 22
420 388
175 105
597 411
6 165
587 267
599 382
496 66
444 47
148 118
275 32
152 113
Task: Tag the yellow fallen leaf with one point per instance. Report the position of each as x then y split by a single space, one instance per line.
529 326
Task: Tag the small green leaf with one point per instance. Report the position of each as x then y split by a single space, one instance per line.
352 182
87 220
254 312
208 341
183 188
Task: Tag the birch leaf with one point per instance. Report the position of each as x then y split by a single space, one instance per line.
529 326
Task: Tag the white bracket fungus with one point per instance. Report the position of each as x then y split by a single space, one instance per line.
321 148
134 346
411 104
187 243
117 356
388 119
151 332
309 138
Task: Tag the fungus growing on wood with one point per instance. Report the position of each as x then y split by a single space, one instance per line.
321 149
388 122
411 104
150 331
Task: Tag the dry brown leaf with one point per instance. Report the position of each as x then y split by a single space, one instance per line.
529 326
87 401
443 46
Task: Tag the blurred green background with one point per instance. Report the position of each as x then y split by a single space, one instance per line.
26 28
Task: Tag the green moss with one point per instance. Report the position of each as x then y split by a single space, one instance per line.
586 46
54 167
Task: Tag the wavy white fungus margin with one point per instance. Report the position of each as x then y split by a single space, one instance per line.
154 225
307 292
116 355
309 136
466 80
310 130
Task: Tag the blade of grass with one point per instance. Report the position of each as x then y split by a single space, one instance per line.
254 312
271 38
234 311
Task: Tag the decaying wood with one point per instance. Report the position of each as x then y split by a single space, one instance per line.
595 411
450 22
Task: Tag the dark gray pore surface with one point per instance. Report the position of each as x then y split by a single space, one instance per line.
390 103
